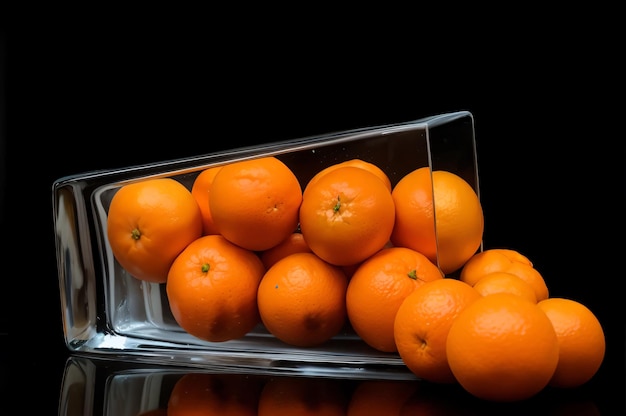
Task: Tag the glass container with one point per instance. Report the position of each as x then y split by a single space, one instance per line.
108 313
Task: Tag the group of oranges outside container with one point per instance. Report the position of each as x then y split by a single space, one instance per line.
400 265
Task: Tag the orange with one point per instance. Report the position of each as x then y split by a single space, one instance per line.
205 394
448 202
149 223
502 348
531 276
581 341
212 288
422 324
509 261
200 190
293 244
302 396
347 215
497 282
255 203
491 260
378 287
301 300
380 397
358 163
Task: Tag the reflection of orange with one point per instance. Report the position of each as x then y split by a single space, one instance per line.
378 287
203 394
212 287
254 203
422 324
380 397
301 300
447 200
293 244
581 341
502 347
200 190
347 215
149 223
301 396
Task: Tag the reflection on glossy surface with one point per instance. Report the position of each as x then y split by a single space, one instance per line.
112 388
282 396
214 394
77 389
154 412
434 399
380 397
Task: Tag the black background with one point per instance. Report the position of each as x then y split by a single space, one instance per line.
550 149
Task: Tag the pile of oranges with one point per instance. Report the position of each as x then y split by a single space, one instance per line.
400 265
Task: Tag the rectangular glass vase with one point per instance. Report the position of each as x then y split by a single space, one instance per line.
108 313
